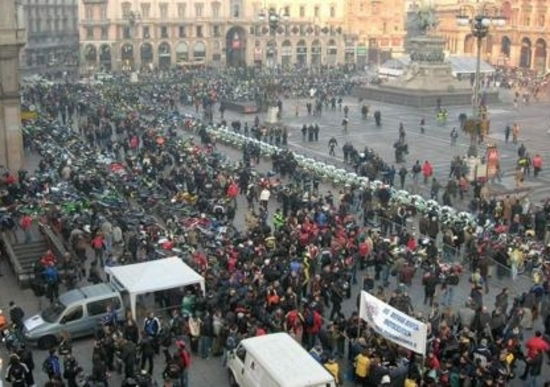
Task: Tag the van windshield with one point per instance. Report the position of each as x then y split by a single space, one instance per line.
52 312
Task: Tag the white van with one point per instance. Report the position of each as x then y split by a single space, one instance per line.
275 360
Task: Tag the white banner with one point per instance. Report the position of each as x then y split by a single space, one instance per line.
393 324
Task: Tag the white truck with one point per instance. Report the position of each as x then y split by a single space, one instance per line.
275 360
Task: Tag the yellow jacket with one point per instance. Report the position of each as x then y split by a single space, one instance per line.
410 383
362 365
334 369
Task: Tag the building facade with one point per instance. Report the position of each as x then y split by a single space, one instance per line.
522 42
52 37
137 34
379 25
12 38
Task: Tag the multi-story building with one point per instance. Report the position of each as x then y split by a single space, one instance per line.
379 25
521 42
12 38
135 34
52 37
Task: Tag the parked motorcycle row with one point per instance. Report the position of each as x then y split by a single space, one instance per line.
135 199
341 177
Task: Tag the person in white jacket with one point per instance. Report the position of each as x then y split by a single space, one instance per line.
264 197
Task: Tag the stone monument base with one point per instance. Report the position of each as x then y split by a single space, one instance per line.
427 80
419 98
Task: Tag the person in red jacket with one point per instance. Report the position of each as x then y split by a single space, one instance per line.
535 346
48 259
98 245
313 322
232 192
9 179
26 223
185 362
427 171
537 164
432 362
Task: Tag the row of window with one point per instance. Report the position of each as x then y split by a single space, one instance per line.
52 2
199 31
37 25
60 11
235 9
145 9
199 52
89 12
146 32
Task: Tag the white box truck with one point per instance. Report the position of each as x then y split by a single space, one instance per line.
275 360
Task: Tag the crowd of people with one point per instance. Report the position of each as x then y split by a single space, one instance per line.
121 154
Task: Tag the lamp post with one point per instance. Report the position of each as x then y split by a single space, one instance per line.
479 25
273 19
133 19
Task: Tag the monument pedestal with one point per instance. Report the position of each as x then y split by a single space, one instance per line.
426 81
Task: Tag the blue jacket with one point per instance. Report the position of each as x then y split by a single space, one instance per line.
51 275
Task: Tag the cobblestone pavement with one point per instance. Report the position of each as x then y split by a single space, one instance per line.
434 145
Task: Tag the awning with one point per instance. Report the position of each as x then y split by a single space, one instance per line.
462 65
467 65
153 276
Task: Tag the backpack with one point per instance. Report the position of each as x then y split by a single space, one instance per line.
231 342
185 359
309 320
174 370
17 373
150 327
47 366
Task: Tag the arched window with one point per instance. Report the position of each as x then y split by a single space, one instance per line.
525 55
505 46
182 52
199 50
90 53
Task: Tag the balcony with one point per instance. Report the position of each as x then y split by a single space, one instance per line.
95 22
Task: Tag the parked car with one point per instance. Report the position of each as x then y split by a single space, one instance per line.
77 312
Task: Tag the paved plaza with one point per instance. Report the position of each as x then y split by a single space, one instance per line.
434 145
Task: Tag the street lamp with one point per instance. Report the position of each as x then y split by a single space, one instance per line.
133 18
273 19
479 25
